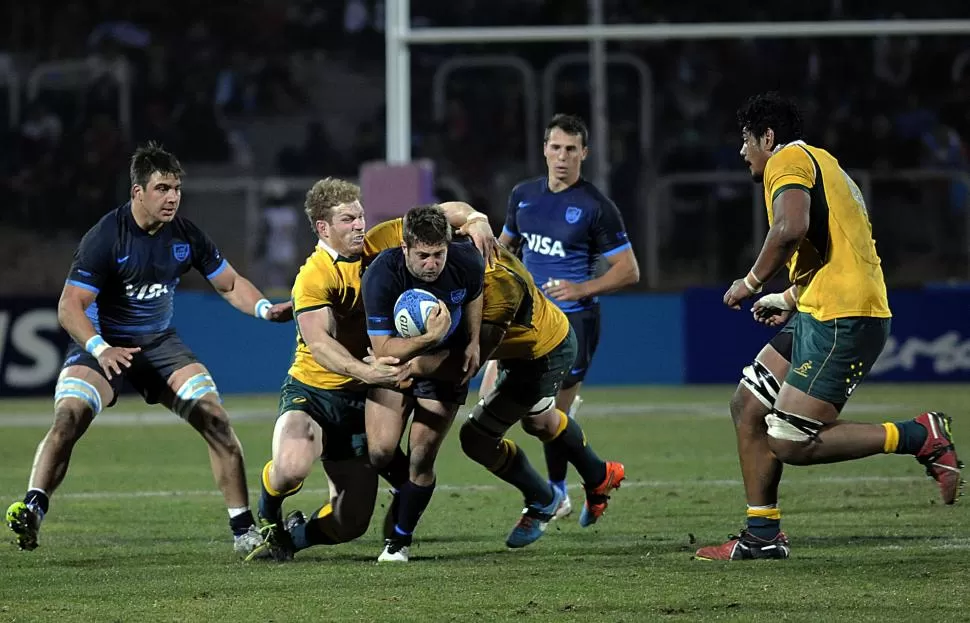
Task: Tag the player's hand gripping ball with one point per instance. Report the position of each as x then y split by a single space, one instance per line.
411 312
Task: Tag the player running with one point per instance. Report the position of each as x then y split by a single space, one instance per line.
786 408
453 271
118 303
565 225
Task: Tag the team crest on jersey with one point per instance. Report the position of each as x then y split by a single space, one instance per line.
181 251
457 296
572 214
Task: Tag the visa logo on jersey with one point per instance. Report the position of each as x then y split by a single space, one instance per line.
145 292
543 245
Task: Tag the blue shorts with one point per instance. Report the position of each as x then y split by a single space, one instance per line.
160 356
586 325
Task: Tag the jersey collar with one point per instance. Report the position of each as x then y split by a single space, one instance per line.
545 185
336 257
780 147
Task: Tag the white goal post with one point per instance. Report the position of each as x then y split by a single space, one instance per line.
399 36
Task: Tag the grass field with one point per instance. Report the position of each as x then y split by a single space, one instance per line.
138 531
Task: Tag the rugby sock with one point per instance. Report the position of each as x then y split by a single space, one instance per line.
38 501
764 522
271 500
514 468
904 437
319 530
396 472
558 484
571 441
240 519
557 462
413 500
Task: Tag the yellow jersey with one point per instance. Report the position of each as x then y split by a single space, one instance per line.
533 325
836 267
330 280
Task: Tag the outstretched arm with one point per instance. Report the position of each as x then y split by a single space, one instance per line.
244 296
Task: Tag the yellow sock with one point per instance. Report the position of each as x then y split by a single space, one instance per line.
891 444
269 488
770 512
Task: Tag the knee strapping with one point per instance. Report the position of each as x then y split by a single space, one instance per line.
762 383
792 427
191 391
70 387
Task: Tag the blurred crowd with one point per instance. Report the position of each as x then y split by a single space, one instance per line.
200 72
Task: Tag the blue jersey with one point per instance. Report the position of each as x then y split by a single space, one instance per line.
565 233
387 277
134 273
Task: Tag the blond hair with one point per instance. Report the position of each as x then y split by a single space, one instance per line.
326 195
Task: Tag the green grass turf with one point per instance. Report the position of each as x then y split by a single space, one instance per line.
139 533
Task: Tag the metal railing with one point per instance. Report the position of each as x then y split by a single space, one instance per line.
80 73
683 219
531 106
645 109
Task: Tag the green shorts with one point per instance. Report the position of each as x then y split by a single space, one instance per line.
339 412
829 359
530 380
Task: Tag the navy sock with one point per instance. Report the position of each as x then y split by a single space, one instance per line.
518 472
572 443
413 500
37 499
240 523
912 436
557 461
764 528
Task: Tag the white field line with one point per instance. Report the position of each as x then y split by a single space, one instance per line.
153 416
649 484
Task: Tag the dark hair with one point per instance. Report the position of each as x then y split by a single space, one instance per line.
774 111
570 124
426 224
149 159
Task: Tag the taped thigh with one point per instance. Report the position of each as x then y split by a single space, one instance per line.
71 387
191 391
791 426
761 382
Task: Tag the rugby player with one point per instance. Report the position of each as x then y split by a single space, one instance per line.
117 305
565 224
322 399
321 410
787 405
453 271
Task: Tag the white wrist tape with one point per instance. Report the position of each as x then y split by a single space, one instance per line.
776 300
262 309
96 345
748 283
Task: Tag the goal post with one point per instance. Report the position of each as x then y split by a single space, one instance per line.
399 37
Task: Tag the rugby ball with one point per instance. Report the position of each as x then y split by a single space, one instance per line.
411 312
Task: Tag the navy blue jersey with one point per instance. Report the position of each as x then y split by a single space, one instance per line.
387 277
134 273
565 233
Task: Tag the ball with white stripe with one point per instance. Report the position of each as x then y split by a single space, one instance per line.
411 312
